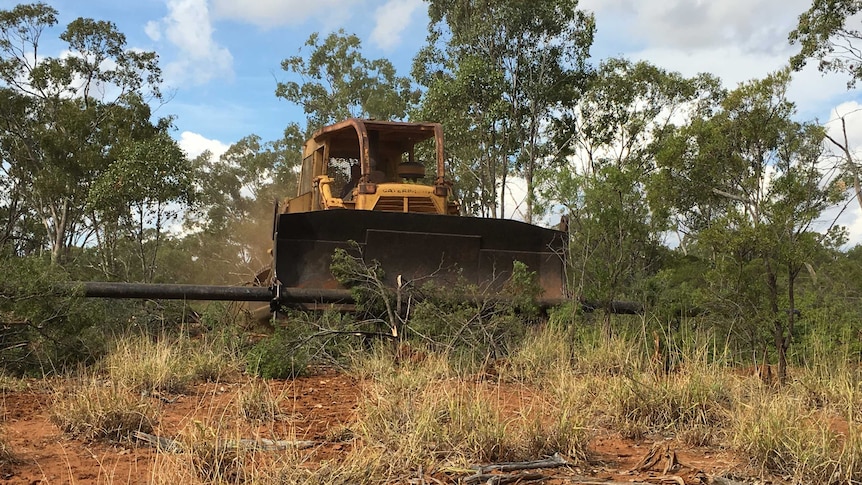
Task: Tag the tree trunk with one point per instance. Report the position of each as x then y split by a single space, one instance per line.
778 330
58 239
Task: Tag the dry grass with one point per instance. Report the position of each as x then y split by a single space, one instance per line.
423 414
6 454
808 430
144 364
257 403
101 410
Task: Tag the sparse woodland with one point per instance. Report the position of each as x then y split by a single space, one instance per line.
713 207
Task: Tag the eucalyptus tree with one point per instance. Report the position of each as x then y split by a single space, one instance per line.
149 185
750 182
495 74
59 112
828 33
338 82
601 179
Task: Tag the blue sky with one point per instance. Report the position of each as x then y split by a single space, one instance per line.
221 58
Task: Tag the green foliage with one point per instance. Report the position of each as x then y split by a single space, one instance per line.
43 330
751 188
495 74
279 356
602 176
825 33
57 125
364 278
338 82
606 262
137 195
475 323
462 318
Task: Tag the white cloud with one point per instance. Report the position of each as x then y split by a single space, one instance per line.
729 62
194 144
153 30
188 26
391 19
274 13
736 40
691 25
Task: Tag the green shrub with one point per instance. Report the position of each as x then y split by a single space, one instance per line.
279 356
55 330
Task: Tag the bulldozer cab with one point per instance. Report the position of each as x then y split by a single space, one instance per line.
374 165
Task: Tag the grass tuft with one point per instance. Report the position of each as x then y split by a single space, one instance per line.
256 403
167 365
98 410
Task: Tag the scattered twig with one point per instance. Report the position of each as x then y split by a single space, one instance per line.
596 481
162 444
670 479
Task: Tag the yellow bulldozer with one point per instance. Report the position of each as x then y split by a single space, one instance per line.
364 187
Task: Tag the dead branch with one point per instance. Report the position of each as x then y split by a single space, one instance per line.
552 462
655 455
503 479
173 446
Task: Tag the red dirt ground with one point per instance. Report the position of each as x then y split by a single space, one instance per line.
313 407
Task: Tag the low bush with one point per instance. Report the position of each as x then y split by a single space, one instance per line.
282 355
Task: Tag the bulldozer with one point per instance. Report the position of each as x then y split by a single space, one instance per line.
379 190
364 188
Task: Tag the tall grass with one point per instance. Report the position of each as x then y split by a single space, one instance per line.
168 365
423 413
784 435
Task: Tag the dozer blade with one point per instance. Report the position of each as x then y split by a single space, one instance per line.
416 246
